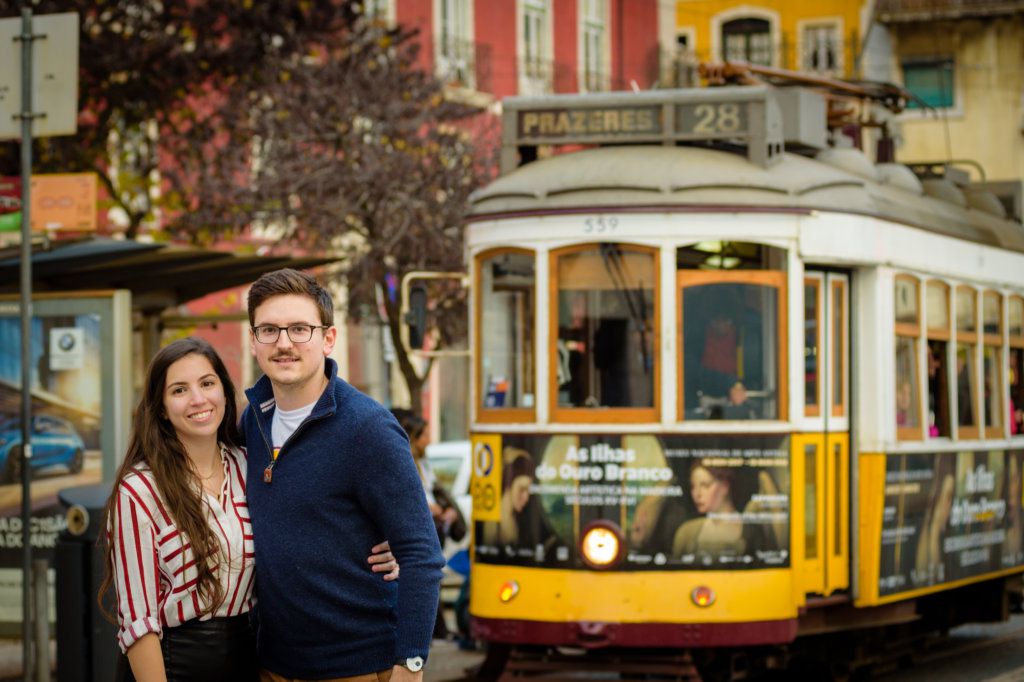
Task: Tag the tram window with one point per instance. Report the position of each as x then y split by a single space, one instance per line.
1017 391
938 390
966 368
812 345
938 330
907 311
992 329
907 403
725 255
731 350
605 351
1015 322
810 501
838 349
506 332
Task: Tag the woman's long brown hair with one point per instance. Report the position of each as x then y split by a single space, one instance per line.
154 442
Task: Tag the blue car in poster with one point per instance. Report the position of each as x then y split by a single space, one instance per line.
54 441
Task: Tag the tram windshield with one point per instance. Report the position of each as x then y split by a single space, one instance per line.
730 351
605 343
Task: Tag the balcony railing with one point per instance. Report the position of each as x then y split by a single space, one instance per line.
898 11
456 62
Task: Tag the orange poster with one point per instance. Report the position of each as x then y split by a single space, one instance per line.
64 201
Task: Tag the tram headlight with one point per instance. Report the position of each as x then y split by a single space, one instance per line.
508 591
602 545
703 596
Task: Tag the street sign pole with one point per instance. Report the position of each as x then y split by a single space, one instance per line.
26 337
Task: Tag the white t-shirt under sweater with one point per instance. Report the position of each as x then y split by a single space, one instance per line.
284 423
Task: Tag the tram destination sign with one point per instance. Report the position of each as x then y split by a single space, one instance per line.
705 120
581 123
745 115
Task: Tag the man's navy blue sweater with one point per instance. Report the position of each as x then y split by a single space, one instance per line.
343 482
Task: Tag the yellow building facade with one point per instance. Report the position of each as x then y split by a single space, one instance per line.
822 36
970 70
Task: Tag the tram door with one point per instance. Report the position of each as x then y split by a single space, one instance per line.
822 451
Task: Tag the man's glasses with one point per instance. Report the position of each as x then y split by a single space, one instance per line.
297 333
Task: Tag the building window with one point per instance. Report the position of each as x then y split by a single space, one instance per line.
535 47
931 80
593 34
456 53
747 40
380 10
821 48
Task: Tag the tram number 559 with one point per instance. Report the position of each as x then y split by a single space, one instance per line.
600 224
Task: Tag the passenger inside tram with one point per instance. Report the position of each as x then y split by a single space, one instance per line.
729 347
938 394
1016 391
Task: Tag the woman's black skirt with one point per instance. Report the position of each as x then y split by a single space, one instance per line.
206 651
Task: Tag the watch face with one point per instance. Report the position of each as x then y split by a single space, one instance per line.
414 664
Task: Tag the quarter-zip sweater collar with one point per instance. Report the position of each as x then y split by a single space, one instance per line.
343 482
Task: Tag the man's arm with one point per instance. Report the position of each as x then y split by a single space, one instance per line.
392 496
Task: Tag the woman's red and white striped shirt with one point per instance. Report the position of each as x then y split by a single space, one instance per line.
154 570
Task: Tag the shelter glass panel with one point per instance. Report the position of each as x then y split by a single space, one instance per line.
506 319
605 327
731 351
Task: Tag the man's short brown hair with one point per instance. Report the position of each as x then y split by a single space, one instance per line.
287 281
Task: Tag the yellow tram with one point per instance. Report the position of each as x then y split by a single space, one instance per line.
734 387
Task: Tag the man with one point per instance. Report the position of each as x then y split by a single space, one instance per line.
329 475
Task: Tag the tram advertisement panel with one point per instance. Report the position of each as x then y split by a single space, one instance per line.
950 516
694 502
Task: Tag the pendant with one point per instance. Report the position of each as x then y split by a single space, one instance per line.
268 474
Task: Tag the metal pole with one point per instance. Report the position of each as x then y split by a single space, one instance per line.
41 587
26 337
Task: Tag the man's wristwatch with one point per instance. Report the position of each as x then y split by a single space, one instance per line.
413 664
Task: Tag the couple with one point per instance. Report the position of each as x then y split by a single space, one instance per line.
326 476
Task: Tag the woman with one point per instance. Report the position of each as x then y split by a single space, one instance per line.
447 519
720 530
179 552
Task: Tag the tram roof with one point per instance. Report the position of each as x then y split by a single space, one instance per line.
688 177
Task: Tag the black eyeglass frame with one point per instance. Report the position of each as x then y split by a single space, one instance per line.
287 330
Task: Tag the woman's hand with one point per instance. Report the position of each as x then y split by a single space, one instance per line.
383 561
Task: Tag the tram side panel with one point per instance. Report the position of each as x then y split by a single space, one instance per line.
932 521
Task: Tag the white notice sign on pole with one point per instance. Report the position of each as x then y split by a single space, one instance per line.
54 76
